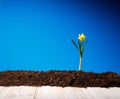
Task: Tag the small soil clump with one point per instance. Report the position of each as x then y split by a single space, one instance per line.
59 78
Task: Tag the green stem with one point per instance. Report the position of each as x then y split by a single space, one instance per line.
80 64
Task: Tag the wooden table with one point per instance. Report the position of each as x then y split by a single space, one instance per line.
47 92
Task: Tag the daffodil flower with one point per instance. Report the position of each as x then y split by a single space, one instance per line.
81 44
81 37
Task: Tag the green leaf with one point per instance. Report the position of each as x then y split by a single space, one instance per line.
75 45
81 51
81 47
79 43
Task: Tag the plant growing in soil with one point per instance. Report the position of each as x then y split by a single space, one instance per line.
80 47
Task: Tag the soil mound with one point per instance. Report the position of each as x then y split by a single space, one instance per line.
59 78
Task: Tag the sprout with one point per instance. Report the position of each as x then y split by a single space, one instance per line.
80 47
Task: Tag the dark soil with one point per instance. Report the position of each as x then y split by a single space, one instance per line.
59 78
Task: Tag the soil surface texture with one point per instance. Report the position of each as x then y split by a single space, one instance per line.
59 78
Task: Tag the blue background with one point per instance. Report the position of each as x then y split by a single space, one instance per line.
37 34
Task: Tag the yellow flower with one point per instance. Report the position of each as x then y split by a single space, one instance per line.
81 37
